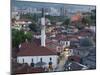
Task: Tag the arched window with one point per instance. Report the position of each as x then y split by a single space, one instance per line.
40 59
50 59
50 62
32 63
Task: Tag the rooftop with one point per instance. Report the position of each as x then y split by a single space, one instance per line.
34 49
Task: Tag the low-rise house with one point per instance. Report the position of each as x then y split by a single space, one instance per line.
22 24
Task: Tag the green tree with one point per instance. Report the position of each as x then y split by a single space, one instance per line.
28 36
19 37
66 22
33 27
86 20
90 19
93 15
29 16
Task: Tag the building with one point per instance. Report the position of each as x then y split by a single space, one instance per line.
76 17
35 53
30 52
21 24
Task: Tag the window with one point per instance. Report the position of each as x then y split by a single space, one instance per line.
32 60
50 58
23 60
32 63
50 63
40 59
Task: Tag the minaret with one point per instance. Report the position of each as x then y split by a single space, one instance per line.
43 35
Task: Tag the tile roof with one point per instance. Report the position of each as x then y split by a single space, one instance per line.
76 18
34 49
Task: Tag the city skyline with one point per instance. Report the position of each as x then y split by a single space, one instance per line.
69 7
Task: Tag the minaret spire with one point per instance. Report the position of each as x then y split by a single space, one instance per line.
43 36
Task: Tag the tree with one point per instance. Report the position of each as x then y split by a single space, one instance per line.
19 37
90 19
93 15
33 27
86 20
66 22
29 16
28 36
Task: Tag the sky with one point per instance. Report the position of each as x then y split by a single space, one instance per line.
69 7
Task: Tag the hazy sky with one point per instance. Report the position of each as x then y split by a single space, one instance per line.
69 7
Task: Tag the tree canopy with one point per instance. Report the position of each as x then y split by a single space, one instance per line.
90 19
93 15
33 27
19 37
30 16
66 22
86 20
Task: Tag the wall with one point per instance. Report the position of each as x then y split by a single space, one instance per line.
28 59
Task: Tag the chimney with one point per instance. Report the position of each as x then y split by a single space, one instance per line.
43 36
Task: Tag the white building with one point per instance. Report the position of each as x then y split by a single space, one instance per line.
30 52
21 24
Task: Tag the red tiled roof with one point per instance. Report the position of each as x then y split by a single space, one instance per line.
32 49
75 18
